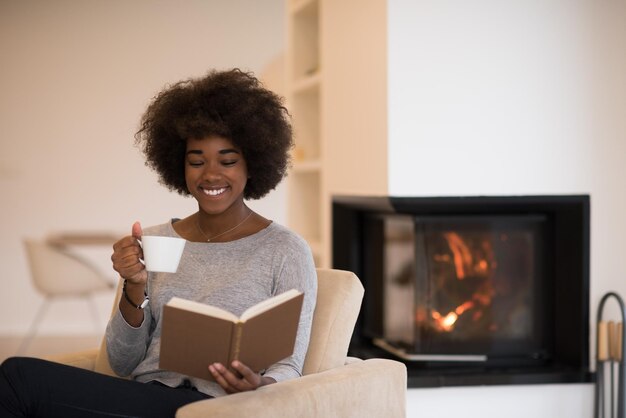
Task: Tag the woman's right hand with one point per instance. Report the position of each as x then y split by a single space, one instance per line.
127 257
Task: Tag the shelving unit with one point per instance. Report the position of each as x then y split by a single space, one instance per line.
307 195
337 94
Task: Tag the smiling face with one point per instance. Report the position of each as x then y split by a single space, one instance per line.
216 174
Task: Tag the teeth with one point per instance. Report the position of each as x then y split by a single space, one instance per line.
214 192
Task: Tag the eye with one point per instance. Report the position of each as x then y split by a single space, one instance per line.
195 163
229 163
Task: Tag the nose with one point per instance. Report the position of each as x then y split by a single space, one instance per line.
212 172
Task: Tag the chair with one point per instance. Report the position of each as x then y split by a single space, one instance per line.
333 384
57 274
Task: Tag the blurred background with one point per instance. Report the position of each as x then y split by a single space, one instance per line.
75 78
478 98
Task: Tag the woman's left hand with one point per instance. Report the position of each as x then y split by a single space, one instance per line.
245 379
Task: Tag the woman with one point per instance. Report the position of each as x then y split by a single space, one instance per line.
221 139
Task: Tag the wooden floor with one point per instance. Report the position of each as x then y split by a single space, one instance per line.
47 345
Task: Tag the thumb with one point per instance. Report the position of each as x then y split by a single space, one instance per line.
136 230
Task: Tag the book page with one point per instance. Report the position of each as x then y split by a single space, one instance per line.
268 304
202 308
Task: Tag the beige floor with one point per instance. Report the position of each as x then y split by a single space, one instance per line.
47 345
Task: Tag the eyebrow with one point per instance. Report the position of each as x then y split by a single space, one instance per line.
222 151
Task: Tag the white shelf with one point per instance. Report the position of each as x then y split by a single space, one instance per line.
307 195
304 40
307 83
310 166
301 6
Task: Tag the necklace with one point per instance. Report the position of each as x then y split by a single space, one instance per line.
209 239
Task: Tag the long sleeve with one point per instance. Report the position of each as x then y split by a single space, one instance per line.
126 345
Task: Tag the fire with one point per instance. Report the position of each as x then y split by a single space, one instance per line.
474 262
464 307
467 260
461 253
446 323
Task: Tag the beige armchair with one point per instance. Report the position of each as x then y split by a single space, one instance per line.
333 385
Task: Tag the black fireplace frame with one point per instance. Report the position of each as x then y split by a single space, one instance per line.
569 217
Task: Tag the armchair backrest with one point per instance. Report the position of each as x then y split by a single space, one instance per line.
339 296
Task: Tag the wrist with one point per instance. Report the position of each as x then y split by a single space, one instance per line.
135 294
132 286
267 380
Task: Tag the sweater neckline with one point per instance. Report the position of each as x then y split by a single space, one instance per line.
172 232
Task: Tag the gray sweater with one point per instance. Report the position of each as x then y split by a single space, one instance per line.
231 275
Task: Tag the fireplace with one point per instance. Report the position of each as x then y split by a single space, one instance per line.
470 290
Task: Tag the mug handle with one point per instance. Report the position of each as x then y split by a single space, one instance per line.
141 245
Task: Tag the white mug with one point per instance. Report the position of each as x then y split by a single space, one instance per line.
162 254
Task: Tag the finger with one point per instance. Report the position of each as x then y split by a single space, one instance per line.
123 248
137 232
136 270
126 242
232 380
126 258
128 265
246 373
236 381
242 378
217 371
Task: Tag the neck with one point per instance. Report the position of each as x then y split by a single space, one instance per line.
224 225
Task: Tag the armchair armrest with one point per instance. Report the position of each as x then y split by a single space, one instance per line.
85 359
372 388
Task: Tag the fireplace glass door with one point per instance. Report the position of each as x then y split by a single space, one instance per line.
462 288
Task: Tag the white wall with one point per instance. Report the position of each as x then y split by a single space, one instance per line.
509 98
75 78
550 401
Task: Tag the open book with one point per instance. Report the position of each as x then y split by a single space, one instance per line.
194 335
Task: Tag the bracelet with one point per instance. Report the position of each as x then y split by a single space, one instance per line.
143 304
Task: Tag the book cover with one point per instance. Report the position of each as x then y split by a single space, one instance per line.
194 335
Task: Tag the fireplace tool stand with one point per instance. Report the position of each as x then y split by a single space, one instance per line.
610 343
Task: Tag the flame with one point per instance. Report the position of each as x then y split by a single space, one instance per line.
470 261
464 307
461 254
446 323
